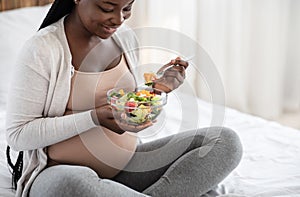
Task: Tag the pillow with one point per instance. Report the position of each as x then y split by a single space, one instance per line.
17 26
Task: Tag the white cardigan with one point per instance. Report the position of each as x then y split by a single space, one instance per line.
39 94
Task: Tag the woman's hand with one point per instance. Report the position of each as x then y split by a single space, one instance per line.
173 77
104 116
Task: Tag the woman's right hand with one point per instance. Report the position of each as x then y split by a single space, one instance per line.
104 116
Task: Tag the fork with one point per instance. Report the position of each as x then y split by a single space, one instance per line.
159 74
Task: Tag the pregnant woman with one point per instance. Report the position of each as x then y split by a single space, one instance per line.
71 144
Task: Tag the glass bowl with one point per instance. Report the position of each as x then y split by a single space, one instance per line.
136 107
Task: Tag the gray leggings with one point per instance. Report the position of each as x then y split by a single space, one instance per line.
186 164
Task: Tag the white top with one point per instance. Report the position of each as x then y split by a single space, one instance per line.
39 94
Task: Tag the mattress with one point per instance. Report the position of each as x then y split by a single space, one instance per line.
270 163
5 176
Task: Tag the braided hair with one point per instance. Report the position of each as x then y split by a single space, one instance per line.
59 8
16 168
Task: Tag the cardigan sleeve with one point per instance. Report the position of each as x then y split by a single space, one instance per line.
26 127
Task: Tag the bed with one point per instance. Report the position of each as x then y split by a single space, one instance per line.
270 163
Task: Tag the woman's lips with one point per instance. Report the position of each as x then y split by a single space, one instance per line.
109 30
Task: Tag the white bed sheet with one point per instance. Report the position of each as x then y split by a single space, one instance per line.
270 164
5 177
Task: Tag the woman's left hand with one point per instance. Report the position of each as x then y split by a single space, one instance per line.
173 77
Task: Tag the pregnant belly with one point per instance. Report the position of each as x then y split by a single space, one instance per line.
98 148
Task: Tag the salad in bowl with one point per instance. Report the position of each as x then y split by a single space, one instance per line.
136 107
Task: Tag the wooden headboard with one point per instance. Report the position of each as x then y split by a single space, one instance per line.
13 4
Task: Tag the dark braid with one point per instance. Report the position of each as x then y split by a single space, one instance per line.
16 168
58 9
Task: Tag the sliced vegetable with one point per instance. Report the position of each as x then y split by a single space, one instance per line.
136 107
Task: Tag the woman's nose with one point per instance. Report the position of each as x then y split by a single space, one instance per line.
118 19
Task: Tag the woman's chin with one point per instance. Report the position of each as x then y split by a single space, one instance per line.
104 36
